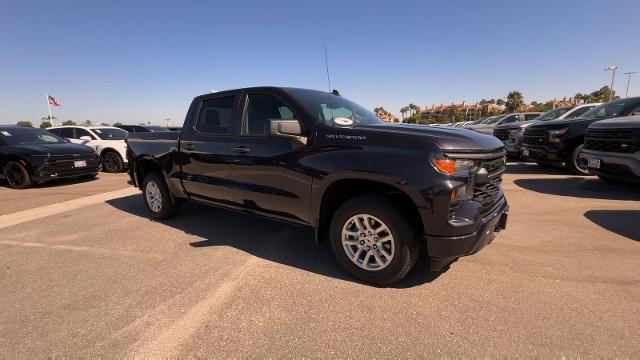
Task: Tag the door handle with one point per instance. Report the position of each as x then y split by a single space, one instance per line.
241 150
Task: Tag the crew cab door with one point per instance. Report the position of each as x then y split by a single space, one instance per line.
268 171
205 149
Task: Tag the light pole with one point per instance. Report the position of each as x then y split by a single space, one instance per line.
626 94
613 69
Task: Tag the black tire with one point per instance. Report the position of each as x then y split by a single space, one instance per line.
112 162
573 164
165 207
405 239
17 176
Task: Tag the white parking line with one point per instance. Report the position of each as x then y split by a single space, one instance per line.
81 248
53 209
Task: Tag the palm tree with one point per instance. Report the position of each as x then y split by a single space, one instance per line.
500 102
514 101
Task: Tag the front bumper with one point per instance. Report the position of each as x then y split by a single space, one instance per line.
550 154
64 168
451 247
513 148
616 165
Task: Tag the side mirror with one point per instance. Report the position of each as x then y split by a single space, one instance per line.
85 138
286 128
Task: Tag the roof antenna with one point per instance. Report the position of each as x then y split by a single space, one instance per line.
326 63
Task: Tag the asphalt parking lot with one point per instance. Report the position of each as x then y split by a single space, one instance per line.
85 273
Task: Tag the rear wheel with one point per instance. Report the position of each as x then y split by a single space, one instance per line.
17 175
157 197
373 240
112 162
573 162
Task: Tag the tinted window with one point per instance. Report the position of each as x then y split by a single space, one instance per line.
83 132
259 109
530 116
613 109
66 133
54 131
579 112
216 116
510 119
155 129
110 133
28 136
552 114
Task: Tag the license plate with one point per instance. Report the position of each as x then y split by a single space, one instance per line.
593 163
525 152
80 163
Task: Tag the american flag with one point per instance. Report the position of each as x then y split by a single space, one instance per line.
53 101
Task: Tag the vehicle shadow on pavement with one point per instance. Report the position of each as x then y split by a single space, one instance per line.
524 168
286 244
622 222
53 183
581 187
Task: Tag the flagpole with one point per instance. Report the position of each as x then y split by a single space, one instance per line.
49 105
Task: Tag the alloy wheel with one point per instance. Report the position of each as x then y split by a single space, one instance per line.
153 196
368 242
14 175
111 162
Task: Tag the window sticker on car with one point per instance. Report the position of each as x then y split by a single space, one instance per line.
6 133
343 121
48 138
98 131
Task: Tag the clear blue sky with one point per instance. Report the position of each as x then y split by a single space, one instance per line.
135 61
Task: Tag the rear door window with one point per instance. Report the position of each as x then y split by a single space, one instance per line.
216 116
66 133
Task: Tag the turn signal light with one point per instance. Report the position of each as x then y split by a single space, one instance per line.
446 166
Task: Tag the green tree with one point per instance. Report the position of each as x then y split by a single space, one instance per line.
514 101
45 124
500 102
116 124
87 123
604 94
25 123
69 123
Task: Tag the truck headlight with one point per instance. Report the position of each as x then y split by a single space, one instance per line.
555 135
457 167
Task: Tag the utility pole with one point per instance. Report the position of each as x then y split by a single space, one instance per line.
613 69
626 94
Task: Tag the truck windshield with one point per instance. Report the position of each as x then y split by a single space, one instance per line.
28 136
110 133
334 110
553 114
614 108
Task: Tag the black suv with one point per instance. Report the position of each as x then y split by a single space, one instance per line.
559 142
380 192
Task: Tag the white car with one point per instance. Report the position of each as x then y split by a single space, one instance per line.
108 141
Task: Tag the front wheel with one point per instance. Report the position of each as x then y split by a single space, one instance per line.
373 240
17 175
157 197
573 162
112 162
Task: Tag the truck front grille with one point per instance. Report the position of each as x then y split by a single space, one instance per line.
487 194
619 141
501 134
535 137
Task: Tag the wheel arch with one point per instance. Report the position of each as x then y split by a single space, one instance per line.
340 190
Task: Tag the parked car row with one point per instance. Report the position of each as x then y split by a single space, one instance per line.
29 156
581 139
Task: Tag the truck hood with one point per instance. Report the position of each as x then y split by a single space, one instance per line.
449 139
53 149
516 125
630 122
562 123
